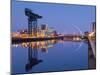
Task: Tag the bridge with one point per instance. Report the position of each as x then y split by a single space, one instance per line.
91 49
92 43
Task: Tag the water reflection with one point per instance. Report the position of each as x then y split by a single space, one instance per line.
40 45
33 48
32 57
59 51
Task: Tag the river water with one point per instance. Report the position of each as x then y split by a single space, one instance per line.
49 56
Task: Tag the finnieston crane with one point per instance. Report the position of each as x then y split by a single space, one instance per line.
32 28
32 21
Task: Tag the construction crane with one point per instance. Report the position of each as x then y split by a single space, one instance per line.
32 21
32 28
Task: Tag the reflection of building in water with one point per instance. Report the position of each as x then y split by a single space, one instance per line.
33 48
32 58
40 45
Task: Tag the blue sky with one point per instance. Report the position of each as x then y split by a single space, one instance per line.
65 18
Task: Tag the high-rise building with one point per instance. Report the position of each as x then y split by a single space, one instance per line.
43 27
94 26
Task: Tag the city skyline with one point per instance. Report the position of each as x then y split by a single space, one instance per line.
51 37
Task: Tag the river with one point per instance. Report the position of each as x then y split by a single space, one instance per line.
49 56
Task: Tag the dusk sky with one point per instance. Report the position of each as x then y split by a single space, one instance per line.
64 18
